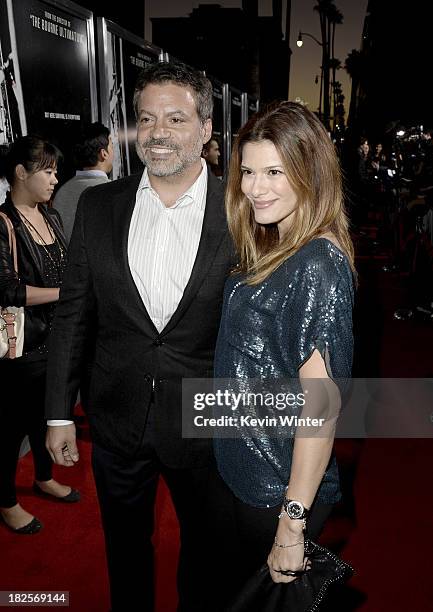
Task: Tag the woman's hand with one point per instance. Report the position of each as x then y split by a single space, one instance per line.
290 558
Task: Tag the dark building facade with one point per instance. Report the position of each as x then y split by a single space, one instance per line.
129 18
395 75
231 44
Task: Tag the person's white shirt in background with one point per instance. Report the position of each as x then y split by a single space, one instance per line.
4 188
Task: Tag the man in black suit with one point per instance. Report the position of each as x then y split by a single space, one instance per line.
141 297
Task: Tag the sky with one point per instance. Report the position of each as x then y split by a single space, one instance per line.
306 60
305 64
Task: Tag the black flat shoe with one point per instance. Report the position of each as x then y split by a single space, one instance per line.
70 498
33 527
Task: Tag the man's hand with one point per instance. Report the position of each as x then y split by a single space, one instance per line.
61 443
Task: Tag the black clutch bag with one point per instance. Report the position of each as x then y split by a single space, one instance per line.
305 594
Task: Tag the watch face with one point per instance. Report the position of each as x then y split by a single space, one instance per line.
295 509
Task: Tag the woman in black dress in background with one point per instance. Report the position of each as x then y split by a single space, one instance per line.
287 314
30 168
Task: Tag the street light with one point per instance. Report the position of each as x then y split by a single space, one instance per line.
300 42
325 62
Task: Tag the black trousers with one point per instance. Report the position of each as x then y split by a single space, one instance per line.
21 413
242 539
126 491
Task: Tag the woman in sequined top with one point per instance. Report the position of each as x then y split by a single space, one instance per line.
287 314
30 168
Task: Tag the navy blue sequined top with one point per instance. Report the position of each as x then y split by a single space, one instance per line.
268 331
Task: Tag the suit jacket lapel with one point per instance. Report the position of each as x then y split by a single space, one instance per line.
214 229
121 214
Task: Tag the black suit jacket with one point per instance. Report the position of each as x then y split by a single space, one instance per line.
101 313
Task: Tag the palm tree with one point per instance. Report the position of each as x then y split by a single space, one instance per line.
334 65
330 17
338 105
353 67
335 17
323 7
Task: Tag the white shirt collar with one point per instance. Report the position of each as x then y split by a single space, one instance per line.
190 194
90 173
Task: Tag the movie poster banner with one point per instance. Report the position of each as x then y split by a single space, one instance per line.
122 56
53 43
12 113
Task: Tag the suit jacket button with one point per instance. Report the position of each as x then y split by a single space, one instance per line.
158 342
148 378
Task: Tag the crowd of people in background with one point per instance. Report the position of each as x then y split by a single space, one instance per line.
394 184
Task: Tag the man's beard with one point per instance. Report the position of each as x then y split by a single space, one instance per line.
168 167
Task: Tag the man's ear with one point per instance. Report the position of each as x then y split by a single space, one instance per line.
207 130
103 154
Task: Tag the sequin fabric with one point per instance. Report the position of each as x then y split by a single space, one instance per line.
267 332
54 263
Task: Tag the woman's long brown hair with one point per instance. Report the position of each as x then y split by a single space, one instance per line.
312 168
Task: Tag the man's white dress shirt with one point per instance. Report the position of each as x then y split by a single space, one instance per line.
162 245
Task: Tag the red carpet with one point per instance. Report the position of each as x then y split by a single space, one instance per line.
68 554
390 553
386 533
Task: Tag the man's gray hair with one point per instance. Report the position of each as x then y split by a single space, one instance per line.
179 74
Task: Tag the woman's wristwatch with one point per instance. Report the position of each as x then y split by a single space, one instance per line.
295 509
